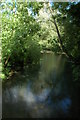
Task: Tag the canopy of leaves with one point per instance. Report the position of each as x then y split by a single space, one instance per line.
32 28
19 39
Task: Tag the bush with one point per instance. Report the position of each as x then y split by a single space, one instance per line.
19 40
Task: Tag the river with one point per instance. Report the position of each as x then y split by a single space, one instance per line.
45 91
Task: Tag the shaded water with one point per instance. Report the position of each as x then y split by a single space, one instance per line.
44 92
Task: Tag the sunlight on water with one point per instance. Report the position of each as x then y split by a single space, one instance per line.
27 95
44 95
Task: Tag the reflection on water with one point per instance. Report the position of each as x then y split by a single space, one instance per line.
44 93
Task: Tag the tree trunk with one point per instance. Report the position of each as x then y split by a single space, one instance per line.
63 49
58 33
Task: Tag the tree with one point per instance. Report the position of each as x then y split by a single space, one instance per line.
19 39
68 21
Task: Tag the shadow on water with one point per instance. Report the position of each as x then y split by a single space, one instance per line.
39 93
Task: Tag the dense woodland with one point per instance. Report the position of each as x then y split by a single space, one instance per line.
36 27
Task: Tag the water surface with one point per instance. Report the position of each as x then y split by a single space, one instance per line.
44 92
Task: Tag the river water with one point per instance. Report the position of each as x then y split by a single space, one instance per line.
45 91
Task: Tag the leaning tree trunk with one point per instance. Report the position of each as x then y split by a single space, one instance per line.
62 47
58 33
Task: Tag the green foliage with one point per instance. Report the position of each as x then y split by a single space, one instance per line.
76 72
67 19
35 7
31 29
19 39
69 24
